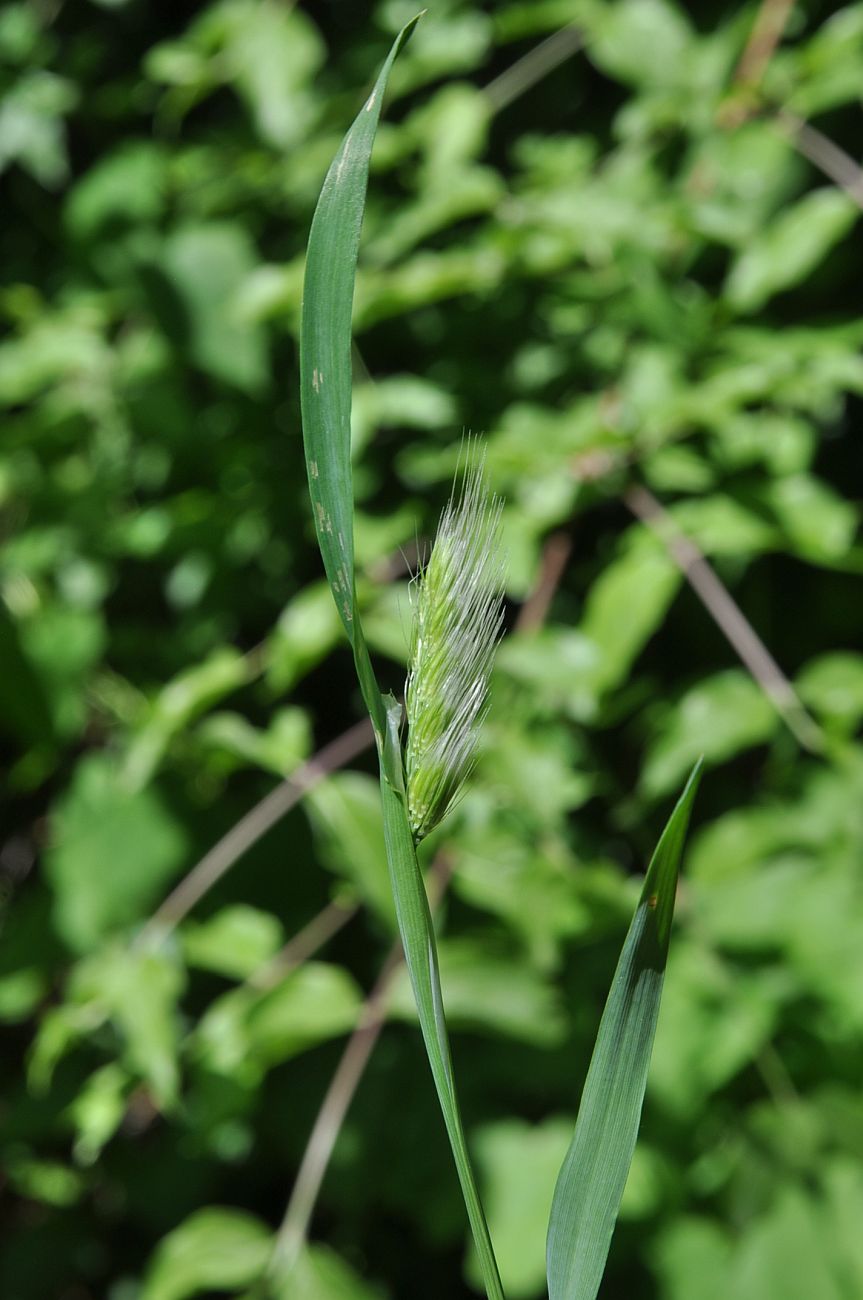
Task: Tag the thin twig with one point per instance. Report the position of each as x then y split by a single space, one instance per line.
837 165
775 1075
250 828
744 101
767 30
555 557
331 1116
728 616
343 1085
319 930
532 67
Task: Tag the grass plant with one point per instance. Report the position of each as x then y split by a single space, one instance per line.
457 623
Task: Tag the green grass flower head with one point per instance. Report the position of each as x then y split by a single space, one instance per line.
458 619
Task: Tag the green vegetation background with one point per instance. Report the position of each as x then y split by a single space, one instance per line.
627 267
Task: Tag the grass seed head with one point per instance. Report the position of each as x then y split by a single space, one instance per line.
458 618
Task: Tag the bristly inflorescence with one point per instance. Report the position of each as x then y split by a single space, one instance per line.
458 619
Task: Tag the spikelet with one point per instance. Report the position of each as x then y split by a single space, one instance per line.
458 619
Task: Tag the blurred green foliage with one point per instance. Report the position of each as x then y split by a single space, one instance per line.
625 270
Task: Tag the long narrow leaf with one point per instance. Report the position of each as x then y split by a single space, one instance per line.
325 363
325 366
594 1172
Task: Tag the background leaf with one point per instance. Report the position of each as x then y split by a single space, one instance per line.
196 290
114 849
214 1248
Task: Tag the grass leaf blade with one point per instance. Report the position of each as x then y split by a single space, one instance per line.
593 1175
325 364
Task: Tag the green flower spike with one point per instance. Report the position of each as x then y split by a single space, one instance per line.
458 619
